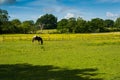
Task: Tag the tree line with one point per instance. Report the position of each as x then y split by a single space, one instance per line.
49 21
96 25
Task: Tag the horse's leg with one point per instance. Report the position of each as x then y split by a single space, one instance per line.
38 41
41 41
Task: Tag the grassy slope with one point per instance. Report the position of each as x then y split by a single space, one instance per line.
101 52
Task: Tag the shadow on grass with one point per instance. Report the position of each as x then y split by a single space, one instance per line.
47 72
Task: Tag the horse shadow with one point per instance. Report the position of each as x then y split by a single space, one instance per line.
46 72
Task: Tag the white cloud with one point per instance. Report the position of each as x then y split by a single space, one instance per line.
112 15
109 14
69 15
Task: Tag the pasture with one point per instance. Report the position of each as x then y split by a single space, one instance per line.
61 57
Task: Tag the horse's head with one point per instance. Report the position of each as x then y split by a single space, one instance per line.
34 37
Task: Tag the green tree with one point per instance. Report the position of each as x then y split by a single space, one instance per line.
5 25
4 21
62 26
97 25
0 27
71 25
17 24
3 15
8 27
117 23
32 26
49 21
109 23
27 26
80 26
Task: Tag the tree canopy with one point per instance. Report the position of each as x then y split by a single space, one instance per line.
49 21
3 15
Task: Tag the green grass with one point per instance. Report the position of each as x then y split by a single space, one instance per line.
78 59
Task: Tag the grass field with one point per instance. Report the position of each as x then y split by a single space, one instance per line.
62 57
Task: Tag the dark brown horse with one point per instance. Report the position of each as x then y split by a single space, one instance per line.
38 39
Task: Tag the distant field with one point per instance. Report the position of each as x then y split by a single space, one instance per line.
62 57
47 31
93 36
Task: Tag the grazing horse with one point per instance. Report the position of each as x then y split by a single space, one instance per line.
37 38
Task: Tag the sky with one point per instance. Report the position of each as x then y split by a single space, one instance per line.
87 9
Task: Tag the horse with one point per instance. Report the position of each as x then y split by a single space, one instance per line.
37 38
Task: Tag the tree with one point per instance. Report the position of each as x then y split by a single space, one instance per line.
62 26
109 23
80 26
3 21
0 27
96 25
32 26
27 26
17 24
117 23
49 21
71 25
41 26
8 27
3 15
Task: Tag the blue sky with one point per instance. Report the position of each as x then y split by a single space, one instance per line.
87 9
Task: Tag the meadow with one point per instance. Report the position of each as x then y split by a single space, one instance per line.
62 57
